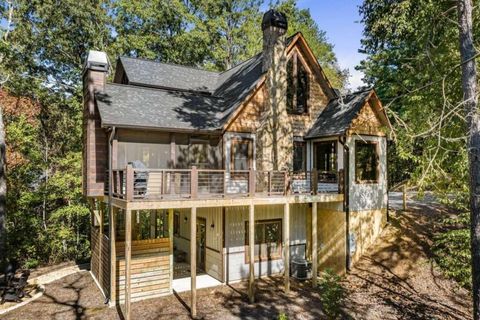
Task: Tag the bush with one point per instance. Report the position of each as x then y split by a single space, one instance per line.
332 293
451 249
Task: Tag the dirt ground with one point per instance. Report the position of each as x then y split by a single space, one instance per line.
399 280
396 281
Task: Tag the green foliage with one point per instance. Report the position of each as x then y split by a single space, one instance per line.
412 54
332 293
452 249
282 316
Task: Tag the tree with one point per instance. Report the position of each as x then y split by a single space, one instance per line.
470 99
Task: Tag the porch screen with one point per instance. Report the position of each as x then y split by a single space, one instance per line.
146 224
268 240
153 155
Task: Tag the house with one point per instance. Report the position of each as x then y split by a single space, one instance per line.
267 152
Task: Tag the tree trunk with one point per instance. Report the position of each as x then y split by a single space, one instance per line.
3 191
469 86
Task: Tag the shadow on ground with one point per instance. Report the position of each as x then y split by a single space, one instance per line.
398 279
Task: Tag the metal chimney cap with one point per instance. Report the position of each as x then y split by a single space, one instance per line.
97 60
273 18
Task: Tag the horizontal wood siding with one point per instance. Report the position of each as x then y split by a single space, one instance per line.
150 269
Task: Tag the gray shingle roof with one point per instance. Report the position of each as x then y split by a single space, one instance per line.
131 106
155 74
137 106
337 116
179 97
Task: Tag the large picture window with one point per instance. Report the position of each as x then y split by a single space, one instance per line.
366 162
298 86
268 240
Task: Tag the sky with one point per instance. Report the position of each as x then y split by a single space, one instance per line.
340 20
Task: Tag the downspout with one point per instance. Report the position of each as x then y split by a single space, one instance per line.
110 191
346 196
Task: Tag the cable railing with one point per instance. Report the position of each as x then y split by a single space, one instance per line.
133 184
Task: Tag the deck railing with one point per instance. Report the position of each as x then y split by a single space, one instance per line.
143 184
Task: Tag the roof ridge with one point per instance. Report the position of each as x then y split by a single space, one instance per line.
170 64
243 62
198 93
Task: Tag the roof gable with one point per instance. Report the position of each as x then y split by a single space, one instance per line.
360 112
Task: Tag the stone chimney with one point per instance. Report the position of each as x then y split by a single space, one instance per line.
275 134
95 148
274 27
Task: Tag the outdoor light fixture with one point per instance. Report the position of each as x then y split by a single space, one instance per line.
185 219
212 225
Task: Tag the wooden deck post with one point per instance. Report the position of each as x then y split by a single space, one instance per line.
170 236
194 183
113 256
129 183
286 246
193 262
314 245
314 178
404 189
128 262
251 182
251 253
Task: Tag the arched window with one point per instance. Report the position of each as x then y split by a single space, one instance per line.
298 86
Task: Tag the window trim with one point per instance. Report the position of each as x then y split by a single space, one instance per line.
260 258
377 169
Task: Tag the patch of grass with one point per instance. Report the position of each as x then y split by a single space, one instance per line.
332 294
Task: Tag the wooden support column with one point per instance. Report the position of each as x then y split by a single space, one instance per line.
314 245
170 236
113 255
128 262
193 262
286 245
251 253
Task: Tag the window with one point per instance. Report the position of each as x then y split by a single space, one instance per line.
268 240
326 156
176 224
299 156
366 162
298 86
242 154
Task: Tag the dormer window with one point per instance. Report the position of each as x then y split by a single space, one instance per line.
298 86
